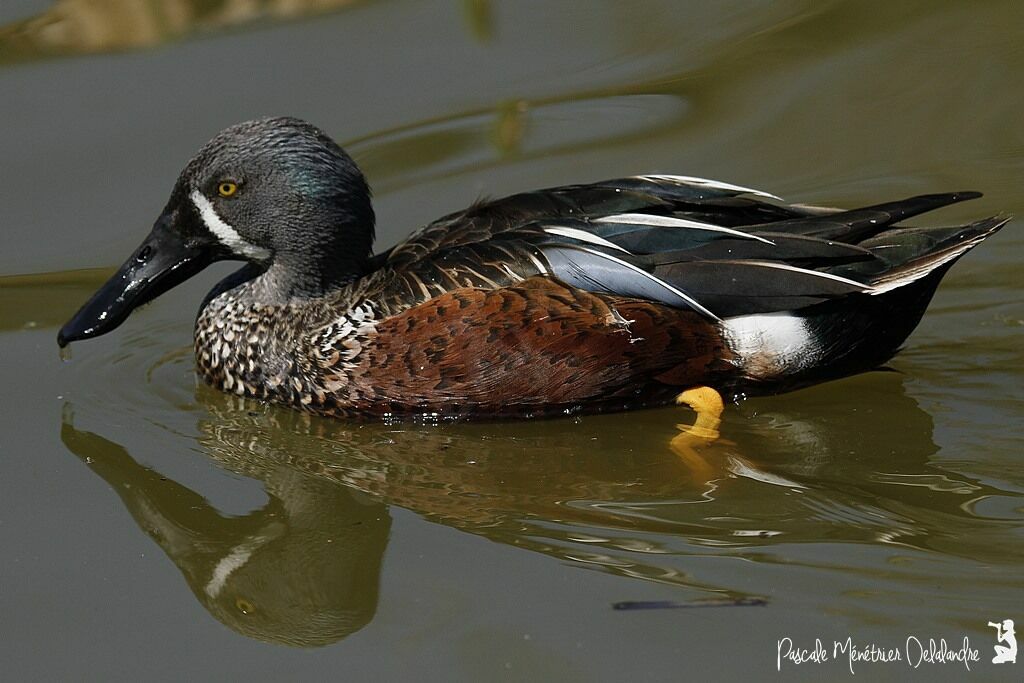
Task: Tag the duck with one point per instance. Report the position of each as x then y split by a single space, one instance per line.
627 293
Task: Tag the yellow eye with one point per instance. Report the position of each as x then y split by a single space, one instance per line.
227 188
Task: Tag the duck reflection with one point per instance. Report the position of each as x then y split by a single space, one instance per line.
872 472
302 570
595 493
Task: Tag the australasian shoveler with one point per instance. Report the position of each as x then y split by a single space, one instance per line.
619 294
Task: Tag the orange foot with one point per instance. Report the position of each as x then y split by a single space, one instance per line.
708 405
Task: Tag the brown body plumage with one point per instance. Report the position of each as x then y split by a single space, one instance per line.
535 347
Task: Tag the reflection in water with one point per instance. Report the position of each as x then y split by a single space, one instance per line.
40 300
76 27
80 27
469 142
304 569
458 143
479 16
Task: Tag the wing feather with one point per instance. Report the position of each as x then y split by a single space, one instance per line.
720 249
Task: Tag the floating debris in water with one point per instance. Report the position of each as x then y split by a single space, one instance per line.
65 353
680 604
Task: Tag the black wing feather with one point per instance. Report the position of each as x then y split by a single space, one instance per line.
860 224
783 257
734 288
807 252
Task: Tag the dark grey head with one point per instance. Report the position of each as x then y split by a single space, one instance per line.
275 192
280 188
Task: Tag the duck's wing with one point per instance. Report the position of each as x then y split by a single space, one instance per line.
719 249
489 219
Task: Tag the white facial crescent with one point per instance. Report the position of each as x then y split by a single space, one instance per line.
228 236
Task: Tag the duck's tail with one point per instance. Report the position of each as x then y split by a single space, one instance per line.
936 249
863 330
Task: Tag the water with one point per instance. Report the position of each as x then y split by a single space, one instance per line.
155 527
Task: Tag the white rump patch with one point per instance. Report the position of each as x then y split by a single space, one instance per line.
704 182
673 222
771 344
224 232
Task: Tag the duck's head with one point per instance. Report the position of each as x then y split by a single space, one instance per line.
277 193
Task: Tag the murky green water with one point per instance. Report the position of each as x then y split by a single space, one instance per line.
154 527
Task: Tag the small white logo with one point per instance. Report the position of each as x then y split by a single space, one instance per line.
1004 634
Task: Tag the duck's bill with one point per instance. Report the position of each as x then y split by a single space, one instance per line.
164 260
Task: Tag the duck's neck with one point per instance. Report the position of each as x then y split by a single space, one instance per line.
310 274
309 263
282 284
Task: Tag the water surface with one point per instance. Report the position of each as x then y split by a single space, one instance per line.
155 527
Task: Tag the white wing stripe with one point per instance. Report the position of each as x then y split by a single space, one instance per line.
805 271
704 182
582 236
673 222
